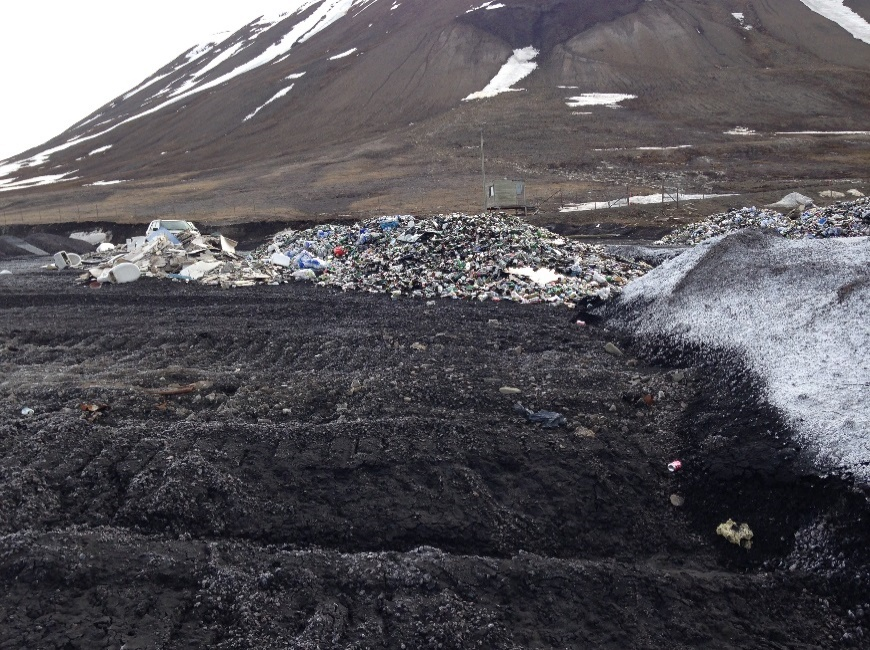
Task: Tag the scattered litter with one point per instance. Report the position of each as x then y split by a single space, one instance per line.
675 466
93 411
509 390
5 272
677 501
105 247
740 535
854 192
832 194
843 219
550 419
610 348
27 411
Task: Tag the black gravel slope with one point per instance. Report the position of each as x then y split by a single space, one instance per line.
342 471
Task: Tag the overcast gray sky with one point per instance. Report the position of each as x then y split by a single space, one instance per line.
61 60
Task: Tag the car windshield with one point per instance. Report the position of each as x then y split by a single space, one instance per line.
175 225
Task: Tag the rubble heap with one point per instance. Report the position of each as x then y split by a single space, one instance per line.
843 219
497 257
185 256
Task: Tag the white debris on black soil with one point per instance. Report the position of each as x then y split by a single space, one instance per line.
843 219
497 257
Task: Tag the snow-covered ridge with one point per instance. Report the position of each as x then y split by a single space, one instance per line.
838 12
319 15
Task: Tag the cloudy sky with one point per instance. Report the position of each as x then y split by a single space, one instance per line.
63 59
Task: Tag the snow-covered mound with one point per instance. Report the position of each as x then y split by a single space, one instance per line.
794 310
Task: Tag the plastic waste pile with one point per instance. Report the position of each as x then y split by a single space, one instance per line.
843 219
496 257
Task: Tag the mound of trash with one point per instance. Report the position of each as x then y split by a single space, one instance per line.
843 219
496 257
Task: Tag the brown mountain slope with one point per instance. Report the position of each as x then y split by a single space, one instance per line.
352 106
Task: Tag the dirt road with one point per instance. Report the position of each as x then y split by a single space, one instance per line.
291 467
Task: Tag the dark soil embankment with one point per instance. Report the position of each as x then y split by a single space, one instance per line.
341 470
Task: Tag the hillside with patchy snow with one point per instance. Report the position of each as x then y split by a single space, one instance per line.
369 78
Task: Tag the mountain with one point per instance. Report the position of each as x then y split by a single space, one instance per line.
355 106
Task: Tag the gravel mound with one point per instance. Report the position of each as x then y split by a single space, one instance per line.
796 311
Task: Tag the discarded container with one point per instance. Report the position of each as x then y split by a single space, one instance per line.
675 466
339 251
63 259
105 247
280 259
122 273
5 272
27 411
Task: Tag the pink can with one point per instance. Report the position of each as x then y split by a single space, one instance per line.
675 466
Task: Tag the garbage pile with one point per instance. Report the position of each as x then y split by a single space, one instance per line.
180 256
843 219
496 257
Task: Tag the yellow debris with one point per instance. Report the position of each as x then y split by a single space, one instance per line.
740 535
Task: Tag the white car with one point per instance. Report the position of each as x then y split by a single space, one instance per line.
175 226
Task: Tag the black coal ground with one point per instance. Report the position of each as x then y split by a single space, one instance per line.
345 473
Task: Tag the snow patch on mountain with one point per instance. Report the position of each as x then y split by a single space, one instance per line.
518 67
611 100
838 12
281 93
11 184
486 5
343 54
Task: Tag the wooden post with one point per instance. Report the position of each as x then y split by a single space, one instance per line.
483 170
627 195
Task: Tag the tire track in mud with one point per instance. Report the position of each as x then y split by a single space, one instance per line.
329 485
